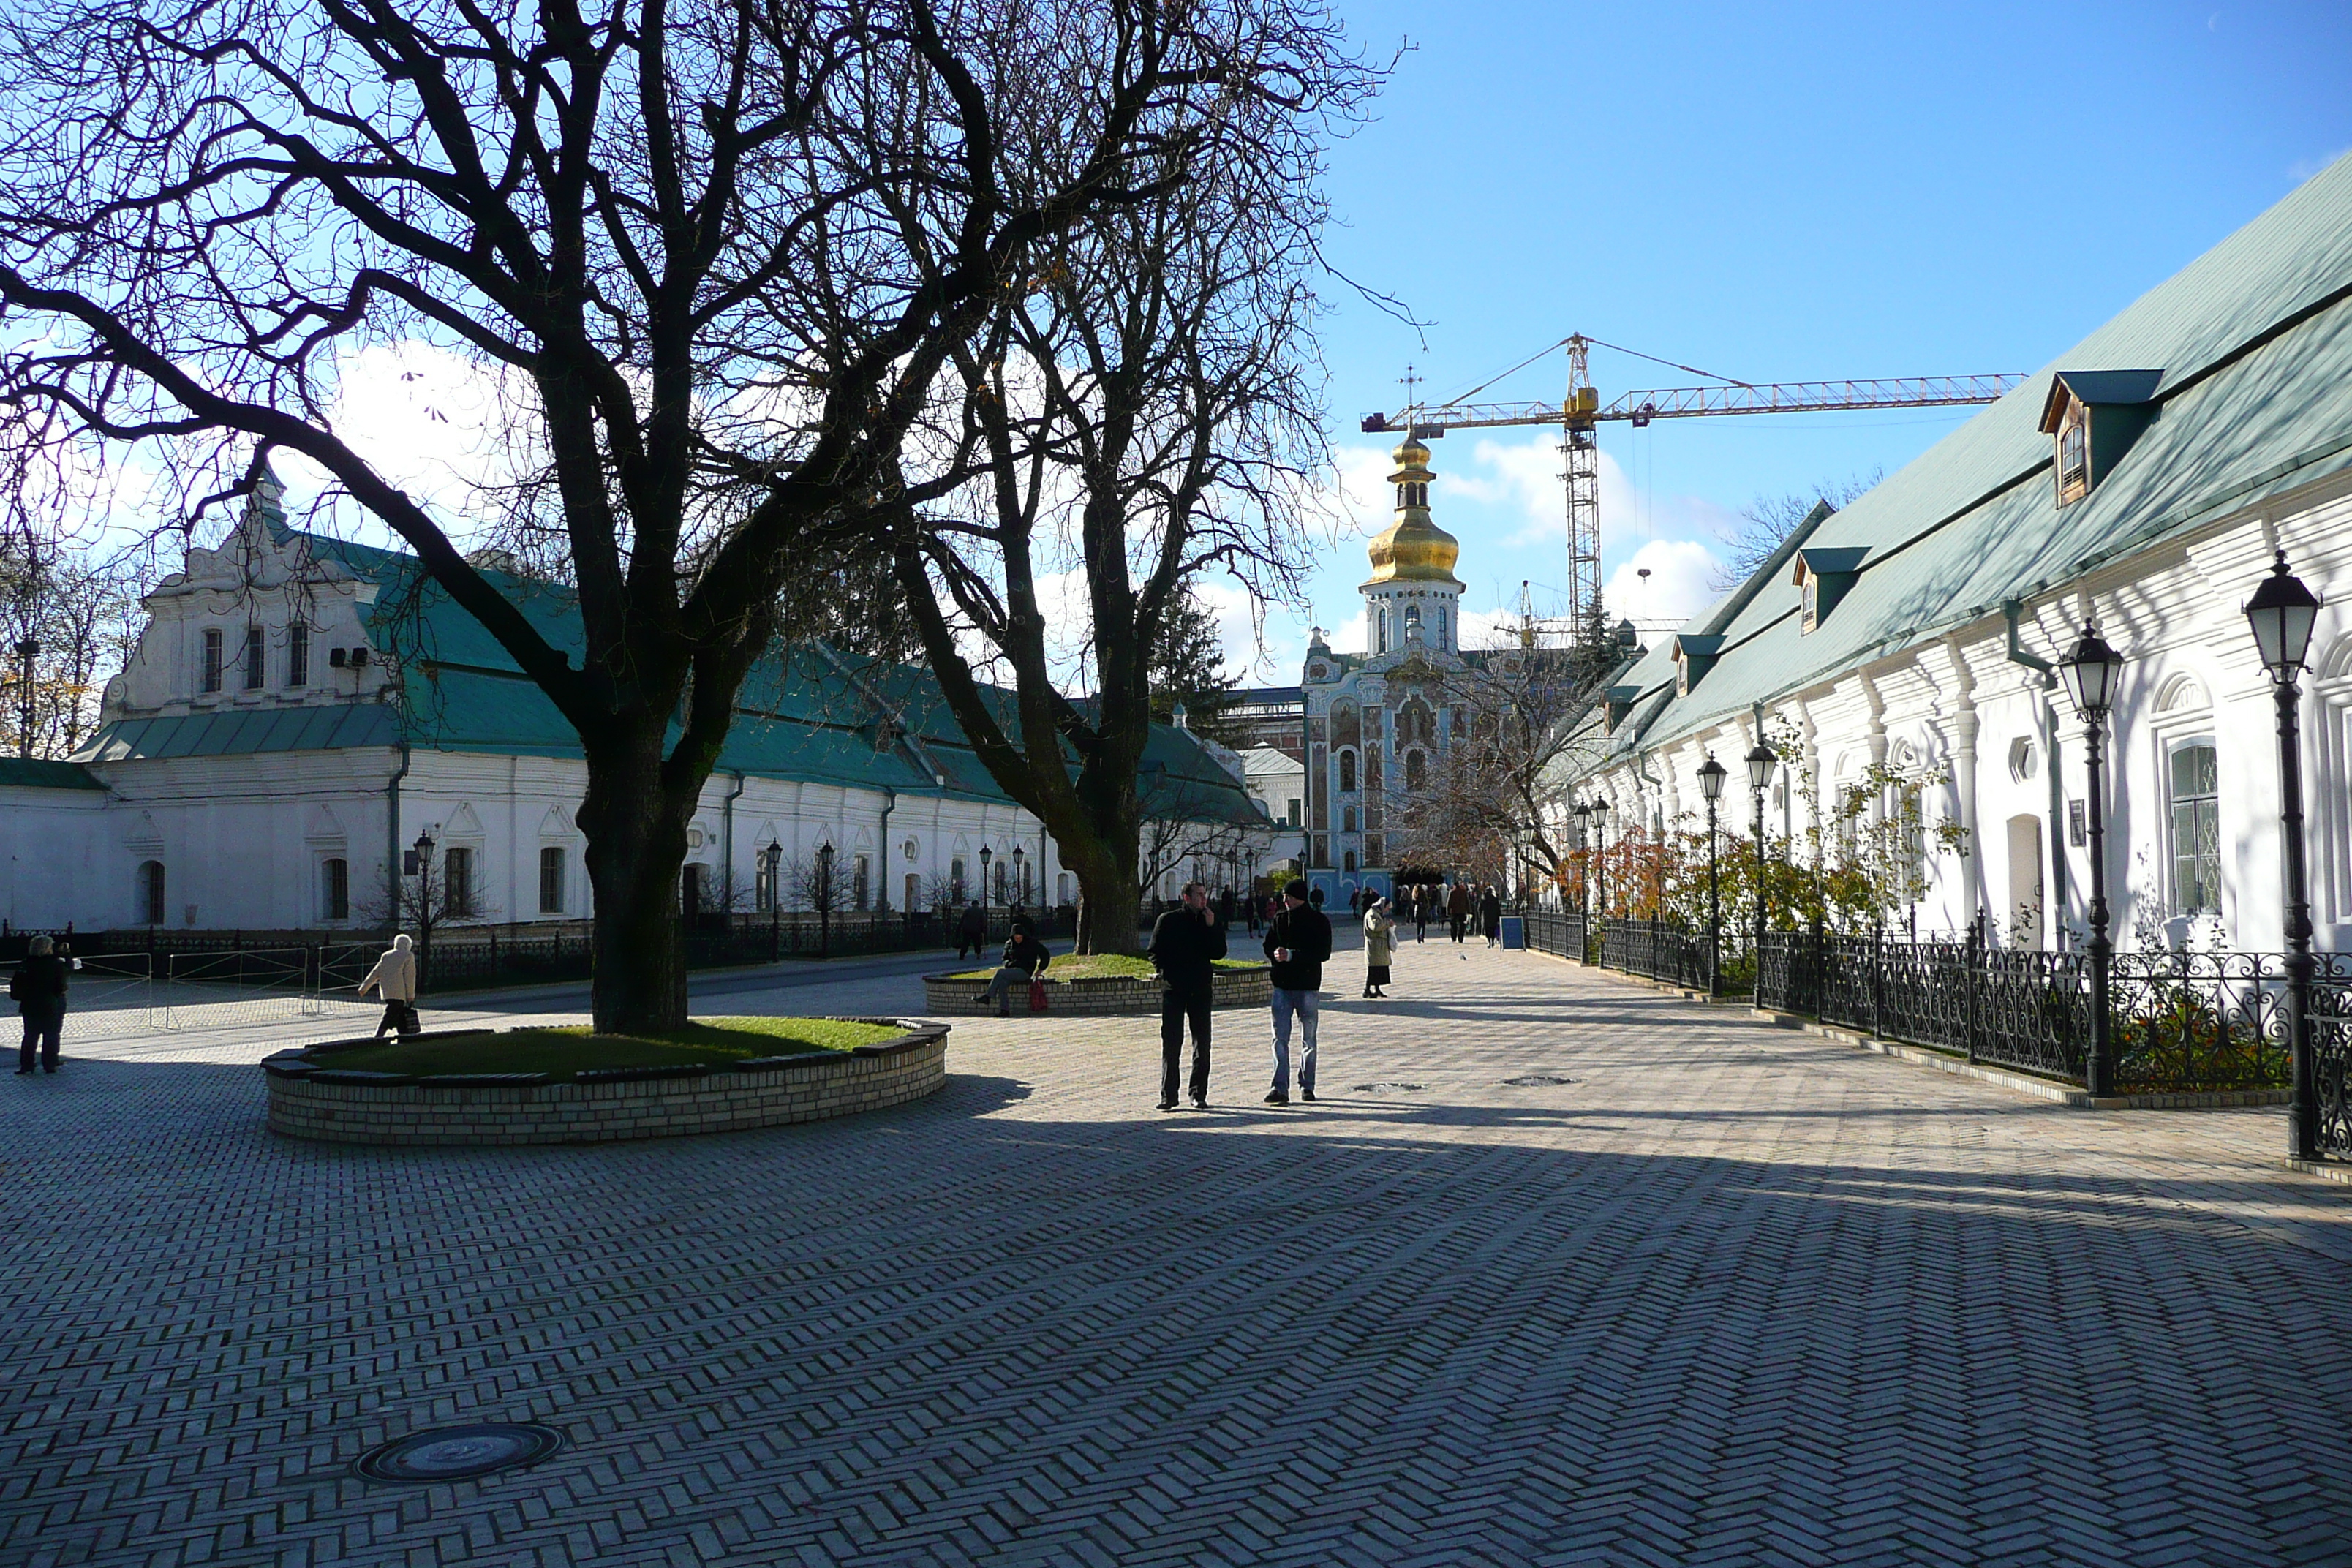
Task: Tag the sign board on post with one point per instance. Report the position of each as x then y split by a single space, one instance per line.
1515 932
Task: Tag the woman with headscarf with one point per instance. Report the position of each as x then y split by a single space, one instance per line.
394 978
1380 949
39 988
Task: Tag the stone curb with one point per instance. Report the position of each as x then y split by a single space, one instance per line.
341 1106
1098 997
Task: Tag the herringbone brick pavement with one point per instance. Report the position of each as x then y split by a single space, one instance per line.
1730 1295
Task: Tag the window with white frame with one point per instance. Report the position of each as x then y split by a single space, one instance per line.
2193 802
210 678
861 882
297 655
765 875
335 888
257 649
457 883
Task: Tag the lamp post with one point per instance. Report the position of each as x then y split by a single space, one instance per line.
1711 774
2091 672
424 906
27 650
2282 612
824 899
1020 876
1583 814
1761 761
1601 857
986 855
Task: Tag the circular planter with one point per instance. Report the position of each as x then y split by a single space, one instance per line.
1108 994
310 1097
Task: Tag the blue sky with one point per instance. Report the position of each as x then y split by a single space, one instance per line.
1776 194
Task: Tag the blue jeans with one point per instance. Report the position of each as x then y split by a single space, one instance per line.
1307 1005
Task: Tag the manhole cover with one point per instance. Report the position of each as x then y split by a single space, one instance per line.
458 1453
1386 1087
1537 1080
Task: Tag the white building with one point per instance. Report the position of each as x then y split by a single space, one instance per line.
300 709
2143 480
1277 782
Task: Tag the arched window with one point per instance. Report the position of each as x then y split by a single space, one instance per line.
1416 724
150 892
1412 622
1347 773
955 881
335 888
1347 820
1442 632
1416 771
1347 862
2192 787
1062 889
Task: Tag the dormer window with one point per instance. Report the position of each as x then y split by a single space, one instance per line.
1695 655
1824 576
2095 415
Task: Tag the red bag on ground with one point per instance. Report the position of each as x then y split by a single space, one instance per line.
1037 995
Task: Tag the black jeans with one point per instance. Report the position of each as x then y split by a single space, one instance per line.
396 1017
1459 921
41 1029
1175 1007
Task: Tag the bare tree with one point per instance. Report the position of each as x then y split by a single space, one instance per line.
710 254
1769 520
1493 799
77 608
1146 415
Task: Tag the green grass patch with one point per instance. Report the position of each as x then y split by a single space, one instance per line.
563 1050
1101 965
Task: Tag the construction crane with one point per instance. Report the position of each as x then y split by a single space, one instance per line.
1580 413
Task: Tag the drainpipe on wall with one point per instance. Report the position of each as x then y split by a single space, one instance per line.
2046 723
391 840
727 844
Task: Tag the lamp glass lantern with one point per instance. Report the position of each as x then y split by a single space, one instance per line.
1711 774
2281 613
1760 763
2092 671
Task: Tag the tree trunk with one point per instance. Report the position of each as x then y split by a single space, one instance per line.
637 852
1106 859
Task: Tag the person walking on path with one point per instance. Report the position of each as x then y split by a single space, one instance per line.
39 989
1186 944
394 978
1298 943
1026 958
1457 910
1380 949
972 931
1490 914
1421 901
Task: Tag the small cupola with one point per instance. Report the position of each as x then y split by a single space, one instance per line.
1695 655
2094 416
1824 576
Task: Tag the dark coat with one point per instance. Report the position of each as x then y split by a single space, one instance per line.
1027 954
1490 909
1183 947
1457 902
39 986
973 923
1306 930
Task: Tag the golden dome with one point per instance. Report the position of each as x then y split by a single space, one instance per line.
1412 548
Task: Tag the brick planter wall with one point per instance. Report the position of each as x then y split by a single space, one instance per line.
1104 994
309 1098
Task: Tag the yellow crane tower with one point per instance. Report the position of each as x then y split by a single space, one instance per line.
1580 413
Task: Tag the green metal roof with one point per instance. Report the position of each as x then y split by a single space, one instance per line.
34 772
801 715
2255 398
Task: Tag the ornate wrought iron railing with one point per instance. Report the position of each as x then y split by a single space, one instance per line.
2177 1021
1658 949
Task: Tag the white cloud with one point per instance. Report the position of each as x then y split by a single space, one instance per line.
1524 476
1676 589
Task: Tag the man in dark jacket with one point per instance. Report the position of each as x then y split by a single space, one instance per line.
38 988
1458 910
1490 914
1186 942
1296 943
972 931
1026 958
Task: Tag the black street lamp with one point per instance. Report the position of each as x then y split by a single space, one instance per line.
2092 671
2282 612
986 854
1760 762
824 899
1583 814
1711 774
27 650
1601 857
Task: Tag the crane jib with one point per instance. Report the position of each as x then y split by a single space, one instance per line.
1687 402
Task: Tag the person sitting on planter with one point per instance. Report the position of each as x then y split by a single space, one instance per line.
1026 958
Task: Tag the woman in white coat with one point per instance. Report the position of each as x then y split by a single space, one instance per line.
394 978
1380 949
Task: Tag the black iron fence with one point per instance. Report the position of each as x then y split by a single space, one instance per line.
1563 934
2178 1021
1662 950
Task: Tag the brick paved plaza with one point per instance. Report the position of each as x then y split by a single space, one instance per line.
1730 1295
